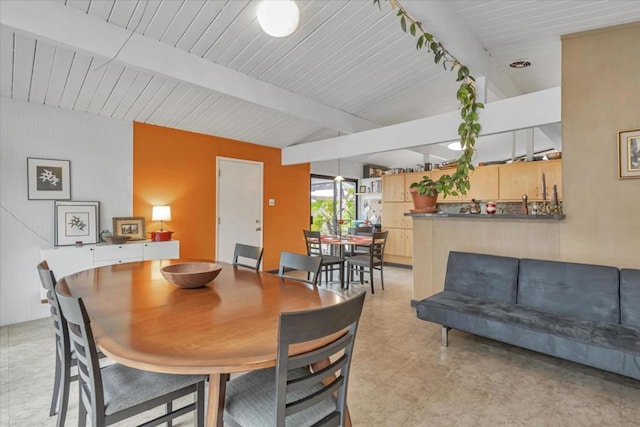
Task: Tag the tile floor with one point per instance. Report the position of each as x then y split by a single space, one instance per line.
401 376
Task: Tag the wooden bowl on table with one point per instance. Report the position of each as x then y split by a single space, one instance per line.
191 275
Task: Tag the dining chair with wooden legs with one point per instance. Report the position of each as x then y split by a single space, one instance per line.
329 262
249 252
310 264
374 260
291 392
118 392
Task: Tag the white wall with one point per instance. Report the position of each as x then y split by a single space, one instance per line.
101 155
330 168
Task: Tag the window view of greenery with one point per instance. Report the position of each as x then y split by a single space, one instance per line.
331 203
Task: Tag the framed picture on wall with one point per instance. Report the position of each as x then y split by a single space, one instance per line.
629 154
48 179
133 227
76 222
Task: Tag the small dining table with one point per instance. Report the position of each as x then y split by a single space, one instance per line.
342 241
231 325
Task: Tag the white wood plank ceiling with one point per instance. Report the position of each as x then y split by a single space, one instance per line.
347 57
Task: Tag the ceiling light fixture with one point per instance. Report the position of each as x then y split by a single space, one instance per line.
339 177
455 146
521 63
278 18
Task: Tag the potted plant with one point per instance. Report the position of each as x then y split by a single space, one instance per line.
469 128
425 195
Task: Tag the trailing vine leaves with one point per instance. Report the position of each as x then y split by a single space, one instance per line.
469 128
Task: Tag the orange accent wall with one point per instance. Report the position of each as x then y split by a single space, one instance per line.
178 168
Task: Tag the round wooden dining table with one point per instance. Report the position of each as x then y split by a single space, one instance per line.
231 325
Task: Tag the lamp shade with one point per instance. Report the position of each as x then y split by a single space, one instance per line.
161 213
278 18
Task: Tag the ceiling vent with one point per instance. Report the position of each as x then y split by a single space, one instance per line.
520 63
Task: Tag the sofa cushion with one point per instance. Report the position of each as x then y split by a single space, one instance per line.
630 297
583 291
483 276
602 334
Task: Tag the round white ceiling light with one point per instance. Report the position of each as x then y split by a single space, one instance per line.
455 146
278 18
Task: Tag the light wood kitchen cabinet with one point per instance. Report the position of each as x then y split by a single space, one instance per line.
517 179
553 174
395 242
396 188
484 184
393 215
396 200
399 243
393 188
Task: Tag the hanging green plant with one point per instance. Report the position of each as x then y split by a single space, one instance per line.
458 181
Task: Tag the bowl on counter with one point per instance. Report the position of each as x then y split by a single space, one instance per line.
116 240
191 275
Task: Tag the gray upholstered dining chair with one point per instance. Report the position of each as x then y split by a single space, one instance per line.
365 230
329 262
117 392
64 360
292 394
374 260
249 252
309 264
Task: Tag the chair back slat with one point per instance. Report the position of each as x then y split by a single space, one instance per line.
299 327
378 244
309 264
48 282
314 242
89 375
304 382
314 398
321 353
249 252
362 230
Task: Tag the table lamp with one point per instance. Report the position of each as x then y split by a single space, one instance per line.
161 213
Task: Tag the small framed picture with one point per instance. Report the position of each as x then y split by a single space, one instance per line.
629 154
363 189
76 222
48 179
130 226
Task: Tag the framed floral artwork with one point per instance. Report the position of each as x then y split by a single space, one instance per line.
629 154
48 179
76 222
133 227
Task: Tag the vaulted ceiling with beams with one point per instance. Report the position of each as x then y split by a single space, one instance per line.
207 66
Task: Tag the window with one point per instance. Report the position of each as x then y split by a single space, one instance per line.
331 203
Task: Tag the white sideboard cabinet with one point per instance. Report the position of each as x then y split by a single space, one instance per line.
65 260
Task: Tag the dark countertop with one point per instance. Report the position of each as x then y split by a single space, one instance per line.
494 217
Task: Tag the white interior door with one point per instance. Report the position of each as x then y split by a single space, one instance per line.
239 205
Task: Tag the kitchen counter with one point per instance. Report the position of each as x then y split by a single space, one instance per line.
509 234
493 217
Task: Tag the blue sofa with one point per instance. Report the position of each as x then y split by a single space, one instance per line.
585 313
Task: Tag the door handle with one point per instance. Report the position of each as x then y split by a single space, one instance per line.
258 228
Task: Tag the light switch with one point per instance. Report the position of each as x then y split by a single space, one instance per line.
272 202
